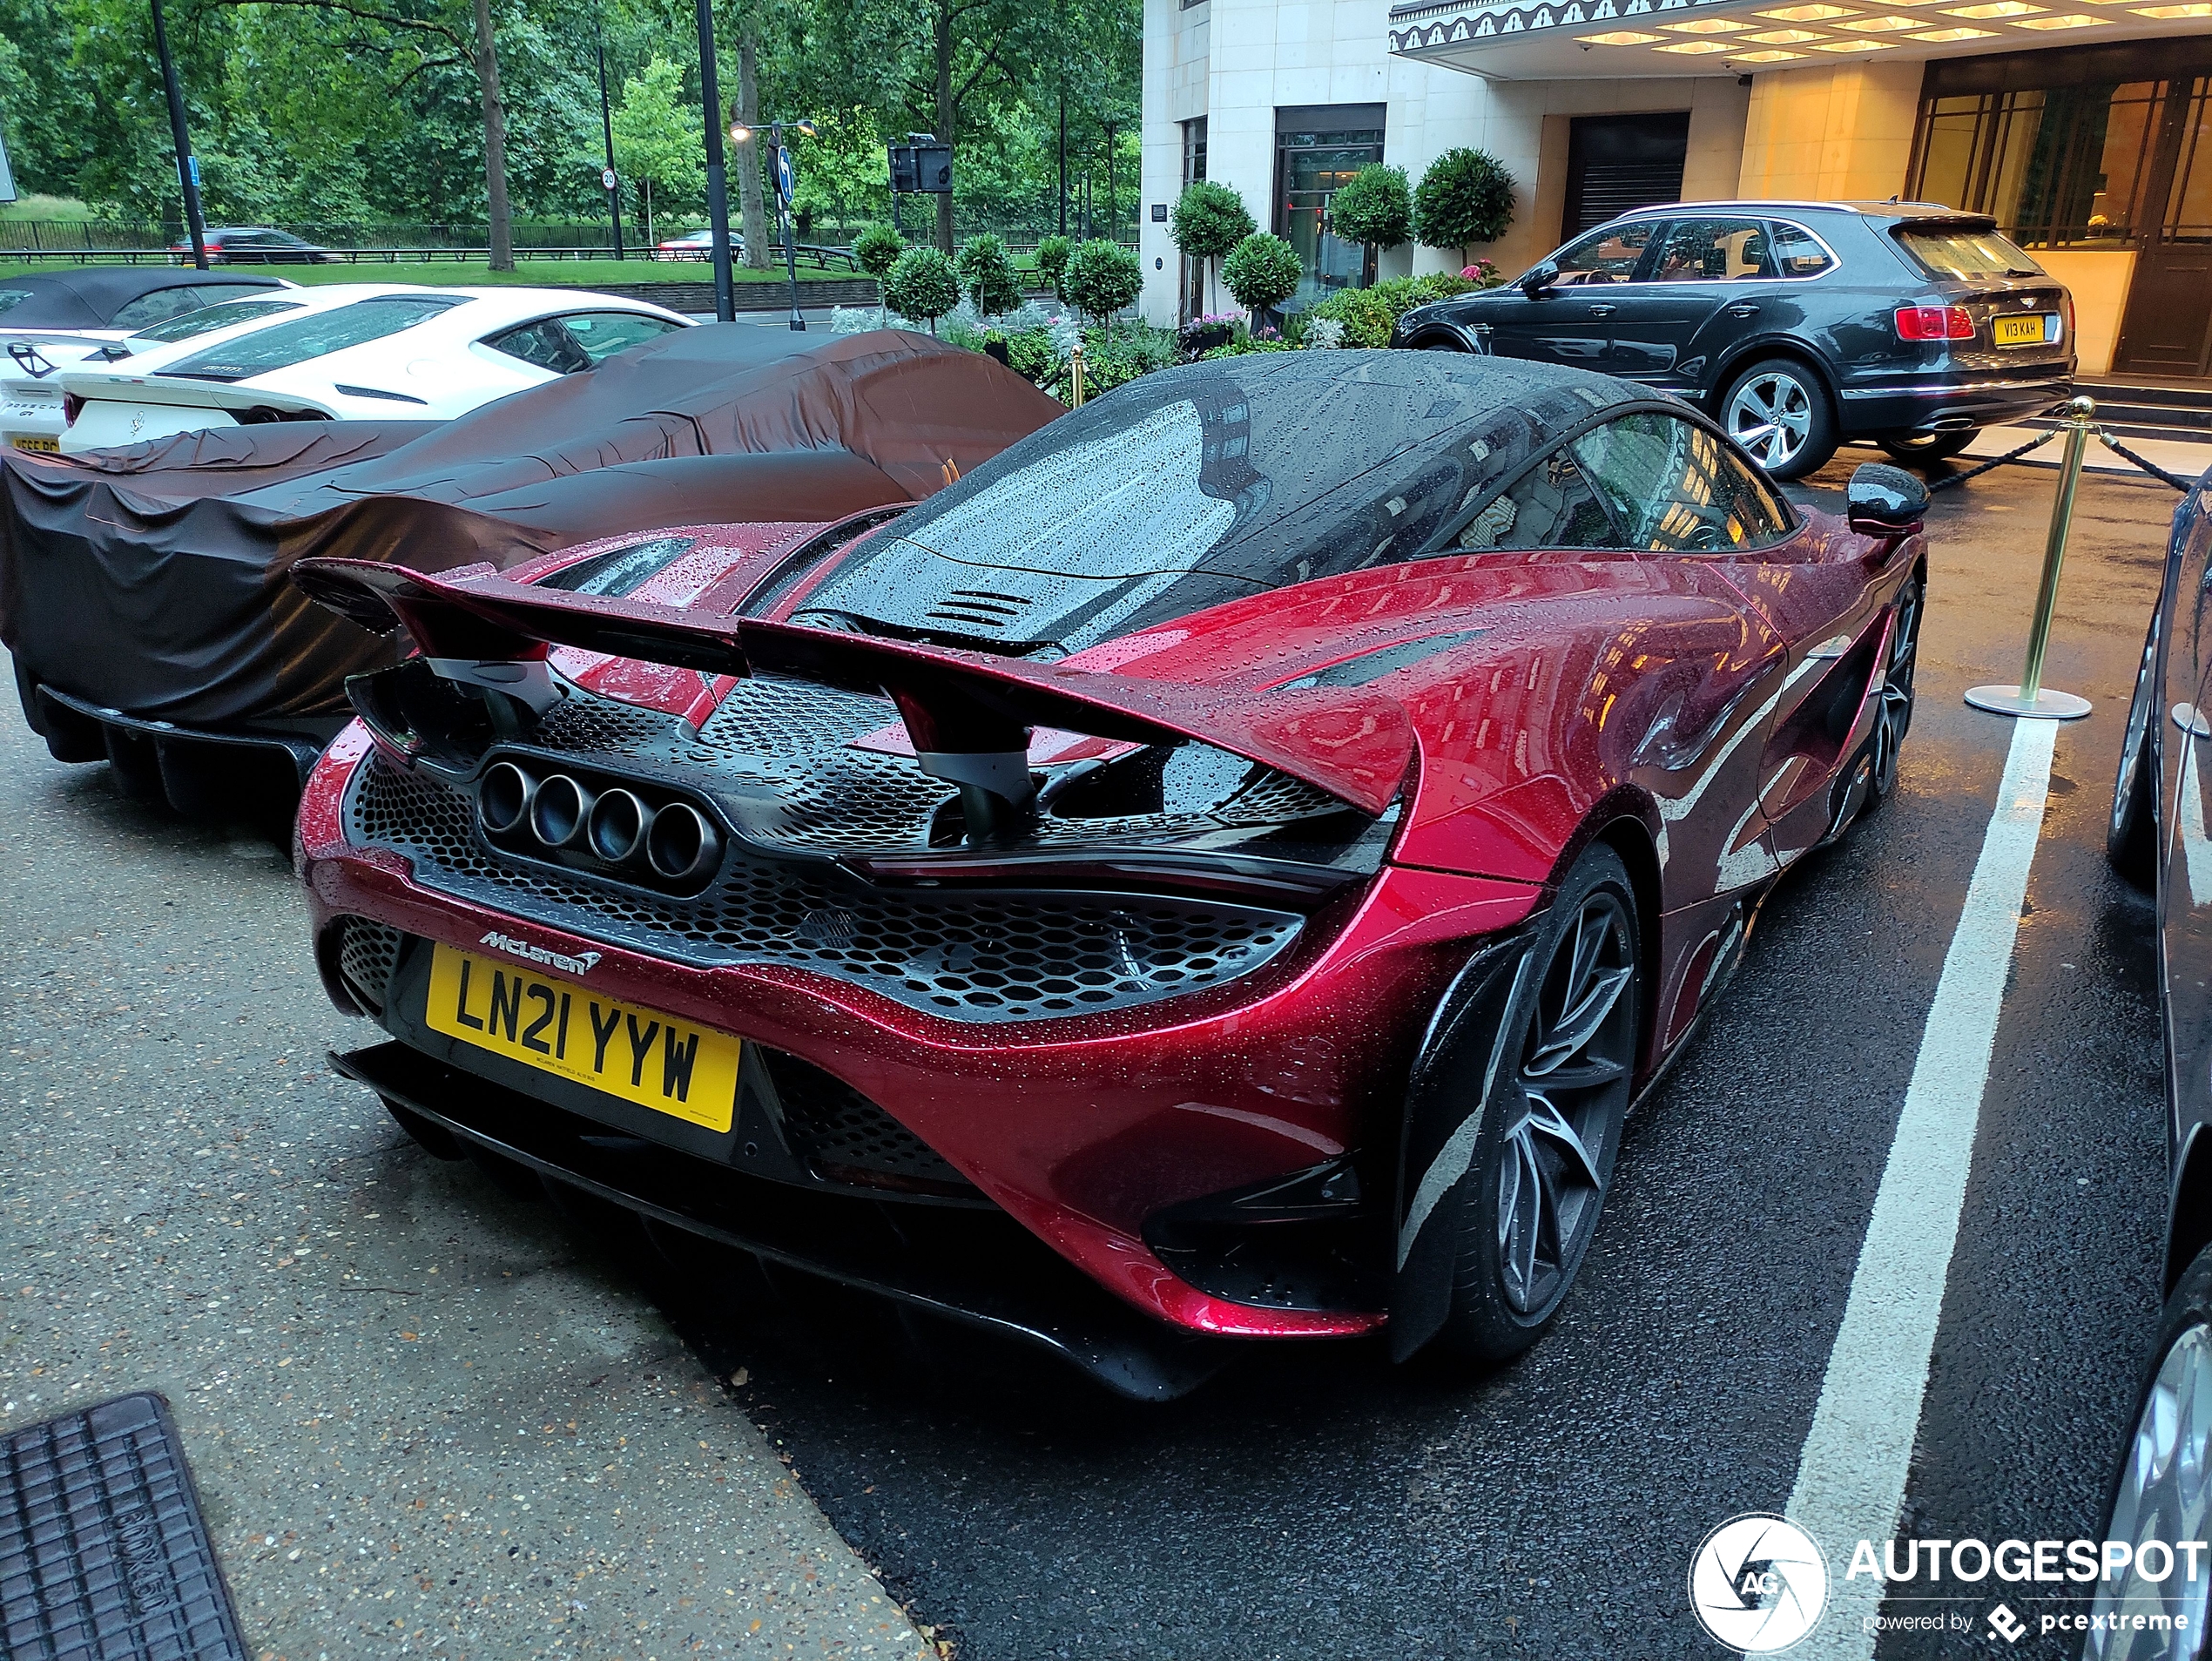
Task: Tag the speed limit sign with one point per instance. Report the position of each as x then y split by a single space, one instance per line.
607 178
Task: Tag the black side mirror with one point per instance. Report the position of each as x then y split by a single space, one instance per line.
1885 502
1538 279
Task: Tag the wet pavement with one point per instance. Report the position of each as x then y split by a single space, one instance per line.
426 1349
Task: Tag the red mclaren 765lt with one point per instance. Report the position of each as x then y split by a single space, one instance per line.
1222 870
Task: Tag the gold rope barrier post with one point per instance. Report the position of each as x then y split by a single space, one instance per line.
1078 377
2031 699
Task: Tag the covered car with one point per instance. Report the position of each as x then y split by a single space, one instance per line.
358 351
143 590
1221 869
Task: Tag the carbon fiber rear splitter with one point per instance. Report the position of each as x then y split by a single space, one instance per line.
103 1553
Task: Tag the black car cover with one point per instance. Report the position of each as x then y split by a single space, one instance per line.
153 580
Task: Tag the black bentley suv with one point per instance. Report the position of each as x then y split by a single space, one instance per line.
1798 324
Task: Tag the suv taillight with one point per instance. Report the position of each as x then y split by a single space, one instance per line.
1934 323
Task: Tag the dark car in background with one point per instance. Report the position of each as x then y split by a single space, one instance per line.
2157 841
259 246
1797 325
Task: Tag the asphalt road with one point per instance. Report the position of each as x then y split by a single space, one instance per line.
1313 1500
1318 1501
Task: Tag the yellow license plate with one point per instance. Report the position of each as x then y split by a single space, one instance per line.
557 1027
36 441
2019 331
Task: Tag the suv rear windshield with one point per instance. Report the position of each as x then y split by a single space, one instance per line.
282 345
1965 255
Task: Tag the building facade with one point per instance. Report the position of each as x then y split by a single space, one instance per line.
2095 153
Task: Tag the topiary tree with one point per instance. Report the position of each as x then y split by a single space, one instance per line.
922 284
1262 271
1052 262
988 275
1375 208
1102 278
1465 196
1210 219
876 249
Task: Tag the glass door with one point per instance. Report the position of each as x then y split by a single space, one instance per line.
1311 161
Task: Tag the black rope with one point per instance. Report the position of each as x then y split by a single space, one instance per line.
2009 455
2152 468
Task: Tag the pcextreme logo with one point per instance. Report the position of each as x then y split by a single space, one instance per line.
1758 1582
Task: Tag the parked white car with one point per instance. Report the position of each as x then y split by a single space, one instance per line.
33 407
356 352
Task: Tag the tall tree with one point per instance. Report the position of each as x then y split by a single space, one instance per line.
752 213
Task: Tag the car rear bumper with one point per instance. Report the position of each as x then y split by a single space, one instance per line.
1085 1130
1946 403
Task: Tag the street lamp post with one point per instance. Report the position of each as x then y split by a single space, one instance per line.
718 175
607 127
786 182
187 174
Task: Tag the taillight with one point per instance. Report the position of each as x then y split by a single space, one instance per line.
2066 317
71 406
1934 323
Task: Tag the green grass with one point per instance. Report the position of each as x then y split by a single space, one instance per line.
44 208
476 273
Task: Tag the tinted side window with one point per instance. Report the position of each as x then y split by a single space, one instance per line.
1796 254
544 343
603 333
1712 251
1675 488
1549 506
1604 256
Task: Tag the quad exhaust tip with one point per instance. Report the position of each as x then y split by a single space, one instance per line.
616 826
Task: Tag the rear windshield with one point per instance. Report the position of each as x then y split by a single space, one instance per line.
214 317
1965 255
282 345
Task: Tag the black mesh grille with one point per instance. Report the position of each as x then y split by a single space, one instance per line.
367 953
843 1136
966 956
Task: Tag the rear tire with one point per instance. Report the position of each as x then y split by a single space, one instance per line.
1527 1208
1927 447
1779 410
2131 837
2158 1492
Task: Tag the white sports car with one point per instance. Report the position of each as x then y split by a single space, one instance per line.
359 352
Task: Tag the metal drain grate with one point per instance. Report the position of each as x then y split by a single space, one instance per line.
103 1554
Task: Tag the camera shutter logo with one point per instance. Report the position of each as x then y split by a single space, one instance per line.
1758 1584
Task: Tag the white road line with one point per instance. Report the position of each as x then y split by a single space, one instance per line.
1851 1477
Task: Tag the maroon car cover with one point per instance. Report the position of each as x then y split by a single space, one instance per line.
152 580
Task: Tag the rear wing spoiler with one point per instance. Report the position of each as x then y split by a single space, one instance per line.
969 714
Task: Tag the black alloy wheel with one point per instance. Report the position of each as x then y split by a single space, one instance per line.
1559 1071
1894 718
2131 837
2160 1493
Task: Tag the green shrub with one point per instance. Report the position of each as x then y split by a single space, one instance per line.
1210 219
1239 349
1465 197
922 285
988 275
1102 277
1262 271
878 248
1368 314
1052 261
1374 207
1029 355
1132 350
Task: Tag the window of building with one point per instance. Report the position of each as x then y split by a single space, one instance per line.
1618 162
1191 296
1317 148
2079 148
